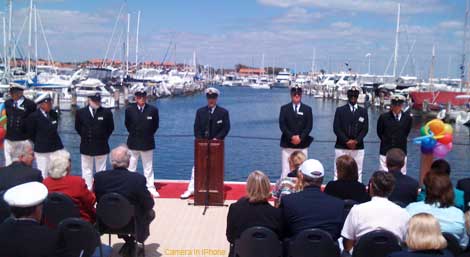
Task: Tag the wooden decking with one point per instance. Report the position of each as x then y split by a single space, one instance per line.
180 229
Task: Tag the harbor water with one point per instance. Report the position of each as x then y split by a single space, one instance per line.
253 141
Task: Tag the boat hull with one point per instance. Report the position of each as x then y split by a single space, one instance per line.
436 98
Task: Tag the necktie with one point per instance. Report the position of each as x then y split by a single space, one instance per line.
296 109
94 112
15 104
396 118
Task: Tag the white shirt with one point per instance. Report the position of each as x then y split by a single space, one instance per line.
43 112
296 105
212 109
379 213
19 102
91 111
141 108
353 107
395 116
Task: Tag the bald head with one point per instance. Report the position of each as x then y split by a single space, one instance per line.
120 157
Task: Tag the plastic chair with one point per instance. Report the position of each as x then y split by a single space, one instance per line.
79 237
58 207
378 243
452 244
348 204
258 242
116 215
313 241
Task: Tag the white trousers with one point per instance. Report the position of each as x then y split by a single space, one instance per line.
147 163
285 154
191 182
383 164
357 155
43 161
7 147
99 162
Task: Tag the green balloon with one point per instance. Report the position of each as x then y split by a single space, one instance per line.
423 131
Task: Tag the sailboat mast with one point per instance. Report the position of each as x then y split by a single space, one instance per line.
313 59
464 48
127 42
10 14
35 39
137 41
30 21
395 55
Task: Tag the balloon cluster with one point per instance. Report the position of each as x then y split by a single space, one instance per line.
436 138
3 123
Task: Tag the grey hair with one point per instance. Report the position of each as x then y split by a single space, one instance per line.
120 157
59 164
19 149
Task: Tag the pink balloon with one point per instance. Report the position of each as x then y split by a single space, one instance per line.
440 151
450 146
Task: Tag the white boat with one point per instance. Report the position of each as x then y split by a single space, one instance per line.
261 83
89 87
283 79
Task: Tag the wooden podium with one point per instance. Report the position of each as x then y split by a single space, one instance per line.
208 172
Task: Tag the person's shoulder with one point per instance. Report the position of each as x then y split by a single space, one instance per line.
403 253
285 106
131 106
221 109
201 109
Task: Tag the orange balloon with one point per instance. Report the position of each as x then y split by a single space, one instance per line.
4 112
436 126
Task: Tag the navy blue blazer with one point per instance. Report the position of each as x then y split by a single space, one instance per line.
292 123
131 185
209 126
17 173
142 127
349 125
311 208
44 131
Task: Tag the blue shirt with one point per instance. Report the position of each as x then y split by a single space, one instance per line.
459 201
451 219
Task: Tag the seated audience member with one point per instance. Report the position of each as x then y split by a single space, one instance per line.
439 202
378 213
254 209
61 181
424 238
406 188
131 185
20 171
23 236
442 166
289 184
311 208
347 185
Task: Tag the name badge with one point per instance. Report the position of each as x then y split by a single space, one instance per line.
54 122
219 122
21 108
300 113
361 119
100 118
149 117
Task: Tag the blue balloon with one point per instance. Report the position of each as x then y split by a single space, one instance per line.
429 143
426 150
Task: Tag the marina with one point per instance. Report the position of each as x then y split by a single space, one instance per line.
154 88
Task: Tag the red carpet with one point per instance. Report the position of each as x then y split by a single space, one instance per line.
173 189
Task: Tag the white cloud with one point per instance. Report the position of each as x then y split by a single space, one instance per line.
451 24
297 15
372 6
341 25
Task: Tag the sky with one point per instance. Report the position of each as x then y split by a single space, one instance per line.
223 33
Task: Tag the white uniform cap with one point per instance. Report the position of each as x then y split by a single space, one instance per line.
141 90
26 195
398 97
45 97
18 86
212 90
312 168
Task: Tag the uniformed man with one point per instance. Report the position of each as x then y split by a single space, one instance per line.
393 128
351 125
95 125
142 122
42 127
295 122
17 108
212 122
23 235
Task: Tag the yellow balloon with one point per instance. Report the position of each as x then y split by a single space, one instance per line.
448 129
436 126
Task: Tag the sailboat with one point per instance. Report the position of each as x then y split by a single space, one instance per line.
438 97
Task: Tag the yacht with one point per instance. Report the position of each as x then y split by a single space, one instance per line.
283 79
